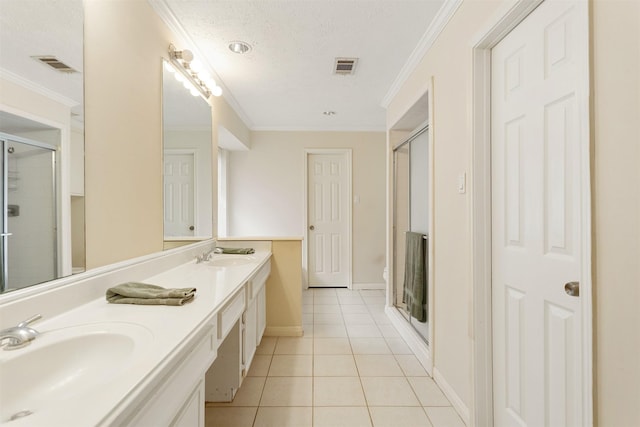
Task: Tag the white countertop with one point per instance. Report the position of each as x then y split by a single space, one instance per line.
169 329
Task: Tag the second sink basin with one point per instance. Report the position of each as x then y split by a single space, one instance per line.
230 260
64 363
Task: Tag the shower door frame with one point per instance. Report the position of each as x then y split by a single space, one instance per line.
5 138
420 130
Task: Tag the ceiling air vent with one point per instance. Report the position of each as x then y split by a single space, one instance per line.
55 63
345 66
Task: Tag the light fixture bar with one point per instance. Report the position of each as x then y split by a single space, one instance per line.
182 60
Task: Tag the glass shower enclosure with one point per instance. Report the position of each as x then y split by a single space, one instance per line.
411 221
28 223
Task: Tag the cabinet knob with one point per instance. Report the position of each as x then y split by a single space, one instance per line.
311 227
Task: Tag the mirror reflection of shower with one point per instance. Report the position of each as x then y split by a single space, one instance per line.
28 235
411 229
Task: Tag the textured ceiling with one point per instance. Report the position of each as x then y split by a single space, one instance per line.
286 81
43 27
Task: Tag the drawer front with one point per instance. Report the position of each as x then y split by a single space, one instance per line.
230 314
260 278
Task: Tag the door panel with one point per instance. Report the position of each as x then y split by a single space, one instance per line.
536 221
179 190
329 224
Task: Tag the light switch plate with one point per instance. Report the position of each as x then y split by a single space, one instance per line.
462 183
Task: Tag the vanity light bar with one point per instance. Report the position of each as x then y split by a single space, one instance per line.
184 62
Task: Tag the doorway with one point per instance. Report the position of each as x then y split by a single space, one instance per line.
179 193
29 213
531 217
411 182
328 207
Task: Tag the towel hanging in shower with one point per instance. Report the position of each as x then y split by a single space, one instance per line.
415 276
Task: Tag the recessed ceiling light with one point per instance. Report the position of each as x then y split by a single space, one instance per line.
329 113
239 47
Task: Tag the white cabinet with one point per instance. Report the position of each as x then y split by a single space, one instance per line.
261 318
241 332
250 334
256 309
256 314
192 413
178 398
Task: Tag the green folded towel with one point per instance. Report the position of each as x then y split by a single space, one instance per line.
145 294
241 251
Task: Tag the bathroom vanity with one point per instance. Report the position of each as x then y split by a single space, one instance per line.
104 364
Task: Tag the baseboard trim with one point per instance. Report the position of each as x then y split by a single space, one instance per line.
413 339
283 331
453 397
367 286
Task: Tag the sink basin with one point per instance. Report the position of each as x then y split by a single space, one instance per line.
63 363
231 260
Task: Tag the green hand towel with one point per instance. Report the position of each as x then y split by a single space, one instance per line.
241 251
146 294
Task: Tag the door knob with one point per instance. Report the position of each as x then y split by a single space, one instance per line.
311 227
572 289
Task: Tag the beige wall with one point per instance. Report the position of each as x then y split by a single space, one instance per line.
266 191
124 44
616 198
616 195
449 62
284 289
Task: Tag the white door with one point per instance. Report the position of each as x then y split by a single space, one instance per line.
329 222
536 220
179 217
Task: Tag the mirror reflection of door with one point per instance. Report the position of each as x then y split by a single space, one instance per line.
179 190
186 128
29 223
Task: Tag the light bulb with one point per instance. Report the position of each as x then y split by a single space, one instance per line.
196 66
186 55
179 77
194 91
210 82
204 75
187 85
216 91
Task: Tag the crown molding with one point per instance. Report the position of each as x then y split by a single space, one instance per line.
166 14
428 39
39 89
292 128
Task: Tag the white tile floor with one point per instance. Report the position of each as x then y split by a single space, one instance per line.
350 369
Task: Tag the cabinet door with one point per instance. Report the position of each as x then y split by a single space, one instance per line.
251 331
261 302
192 413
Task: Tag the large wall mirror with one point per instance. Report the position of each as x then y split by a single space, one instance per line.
187 145
41 141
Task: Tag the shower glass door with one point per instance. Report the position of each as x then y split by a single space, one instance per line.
29 220
411 214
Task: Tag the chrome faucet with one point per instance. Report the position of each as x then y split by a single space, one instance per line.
19 336
206 256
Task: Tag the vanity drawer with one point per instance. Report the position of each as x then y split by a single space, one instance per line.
259 279
231 313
